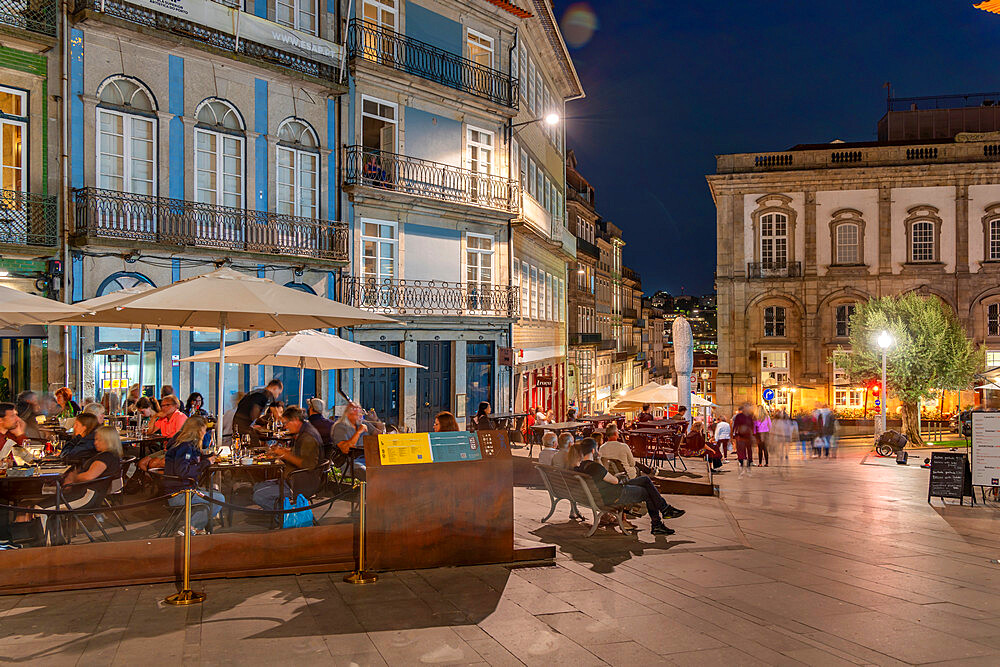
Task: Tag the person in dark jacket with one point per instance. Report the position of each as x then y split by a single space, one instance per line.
322 425
81 446
482 421
187 461
304 454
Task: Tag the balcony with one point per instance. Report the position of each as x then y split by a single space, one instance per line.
535 215
629 274
119 216
28 219
258 39
376 44
584 338
37 16
422 178
625 354
587 248
774 269
629 313
562 236
428 297
606 344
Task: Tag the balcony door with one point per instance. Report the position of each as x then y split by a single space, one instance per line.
479 160
378 139
219 145
126 160
298 188
481 52
298 14
479 270
379 250
13 150
377 42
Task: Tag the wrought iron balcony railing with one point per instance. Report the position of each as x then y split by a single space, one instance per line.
34 15
414 176
377 44
190 29
586 247
428 297
28 219
584 338
629 313
774 269
128 217
607 344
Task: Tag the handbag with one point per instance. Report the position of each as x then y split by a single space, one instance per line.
297 519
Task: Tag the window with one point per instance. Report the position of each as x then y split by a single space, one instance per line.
298 170
378 124
774 369
844 315
774 321
479 159
534 293
993 247
549 297
848 398
480 48
379 245
380 12
522 70
847 244
298 14
525 291
478 268
126 138
218 155
774 240
993 320
14 138
532 91
992 359
562 300
922 241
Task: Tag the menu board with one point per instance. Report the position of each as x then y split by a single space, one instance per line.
455 446
949 478
404 448
986 448
491 441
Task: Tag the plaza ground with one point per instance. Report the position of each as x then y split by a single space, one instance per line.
817 562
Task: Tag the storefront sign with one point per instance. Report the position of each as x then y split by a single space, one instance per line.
986 448
248 26
543 381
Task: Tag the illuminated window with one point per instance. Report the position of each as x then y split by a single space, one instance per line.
774 321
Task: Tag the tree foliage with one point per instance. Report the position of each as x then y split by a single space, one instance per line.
930 347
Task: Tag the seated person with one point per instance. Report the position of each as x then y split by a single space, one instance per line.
696 441
81 446
571 415
304 454
322 425
616 492
168 421
67 407
29 410
195 405
105 464
613 449
550 446
12 427
187 459
96 409
481 421
445 421
347 433
561 458
645 415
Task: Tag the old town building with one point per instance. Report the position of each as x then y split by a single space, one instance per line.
805 234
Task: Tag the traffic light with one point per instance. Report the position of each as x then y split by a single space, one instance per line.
876 387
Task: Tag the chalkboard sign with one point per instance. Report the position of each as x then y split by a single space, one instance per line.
951 476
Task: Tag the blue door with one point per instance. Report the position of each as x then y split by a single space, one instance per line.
479 371
380 386
434 383
290 379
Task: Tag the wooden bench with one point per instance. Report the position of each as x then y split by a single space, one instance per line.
578 489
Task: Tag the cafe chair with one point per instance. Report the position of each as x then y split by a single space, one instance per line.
304 482
175 518
97 501
117 492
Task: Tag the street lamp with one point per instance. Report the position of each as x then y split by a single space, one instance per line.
884 342
550 119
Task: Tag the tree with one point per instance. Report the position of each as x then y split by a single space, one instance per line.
930 351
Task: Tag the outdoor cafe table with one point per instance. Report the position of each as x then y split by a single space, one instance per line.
558 427
661 423
14 489
596 419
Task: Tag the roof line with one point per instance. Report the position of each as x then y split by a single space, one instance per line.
554 35
510 7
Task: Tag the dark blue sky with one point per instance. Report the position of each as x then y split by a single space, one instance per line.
671 84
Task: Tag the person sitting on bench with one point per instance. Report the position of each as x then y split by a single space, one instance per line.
615 492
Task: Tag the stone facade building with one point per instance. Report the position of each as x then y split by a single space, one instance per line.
805 234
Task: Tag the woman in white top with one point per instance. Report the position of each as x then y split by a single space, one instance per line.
722 435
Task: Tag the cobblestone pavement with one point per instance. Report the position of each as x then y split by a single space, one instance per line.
805 562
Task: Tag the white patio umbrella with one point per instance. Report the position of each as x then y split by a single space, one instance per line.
18 308
223 300
992 386
305 350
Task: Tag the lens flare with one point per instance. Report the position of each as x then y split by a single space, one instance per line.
578 24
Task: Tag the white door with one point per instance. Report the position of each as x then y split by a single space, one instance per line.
219 183
479 160
13 151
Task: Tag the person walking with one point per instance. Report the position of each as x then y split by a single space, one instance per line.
742 435
762 433
722 436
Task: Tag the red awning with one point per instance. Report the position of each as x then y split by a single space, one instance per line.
512 8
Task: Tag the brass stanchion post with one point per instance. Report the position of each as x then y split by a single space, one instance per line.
360 576
186 596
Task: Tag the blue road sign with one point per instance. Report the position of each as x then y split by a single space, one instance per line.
768 394
877 403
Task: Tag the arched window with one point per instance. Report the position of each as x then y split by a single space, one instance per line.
298 169
844 314
923 230
993 320
126 137
991 230
127 339
774 321
773 241
847 243
302 287
219 143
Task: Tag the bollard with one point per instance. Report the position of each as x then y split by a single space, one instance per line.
186 596
360 576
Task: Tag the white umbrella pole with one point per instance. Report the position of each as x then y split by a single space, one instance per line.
142 356
302 377
222 381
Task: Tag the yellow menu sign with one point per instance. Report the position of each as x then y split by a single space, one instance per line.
403 448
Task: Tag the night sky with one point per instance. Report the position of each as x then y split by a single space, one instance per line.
672 84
